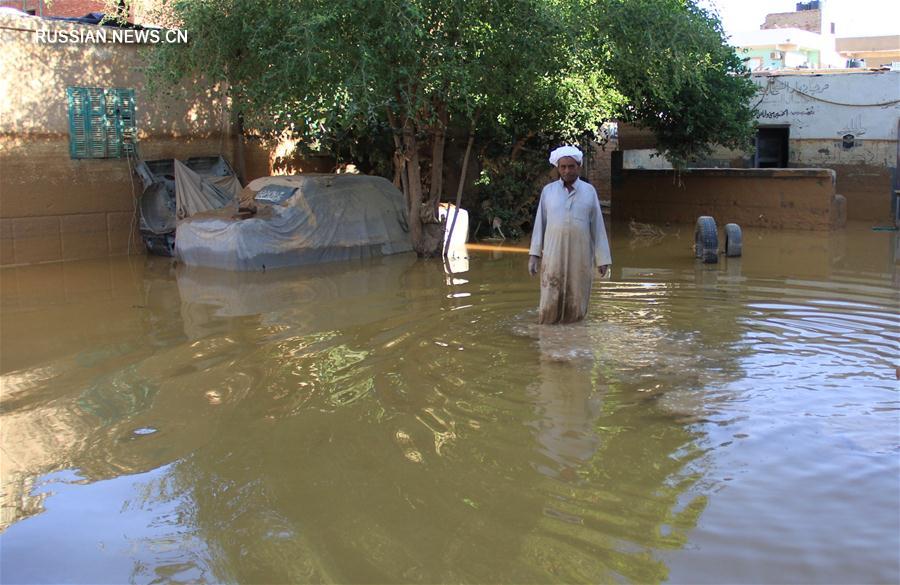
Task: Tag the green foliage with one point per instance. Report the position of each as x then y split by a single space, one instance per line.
509 190
677 75
346 74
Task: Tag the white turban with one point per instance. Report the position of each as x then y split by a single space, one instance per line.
565 151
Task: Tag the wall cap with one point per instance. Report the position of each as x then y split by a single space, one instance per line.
791 173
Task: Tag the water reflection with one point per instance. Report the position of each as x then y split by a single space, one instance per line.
568 397
605 403
404 421
456 261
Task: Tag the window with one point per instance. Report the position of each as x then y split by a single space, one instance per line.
101 122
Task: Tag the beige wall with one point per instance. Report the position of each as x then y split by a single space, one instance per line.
263 158
51 206
877 51
776 198
864 172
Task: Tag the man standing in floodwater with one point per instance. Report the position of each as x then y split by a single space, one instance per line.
568 241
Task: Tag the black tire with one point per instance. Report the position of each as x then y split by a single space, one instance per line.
734 240
706 240
159 244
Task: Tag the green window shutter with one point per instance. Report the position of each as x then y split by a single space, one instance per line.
113 138
78 125
96 123
124 119
101 122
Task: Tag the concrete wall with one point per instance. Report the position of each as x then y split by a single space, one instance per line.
51 206
830 105
877 51
646 158
842 121
864 172
777 198
760 58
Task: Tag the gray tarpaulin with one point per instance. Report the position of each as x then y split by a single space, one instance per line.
228 184
301 219
195 193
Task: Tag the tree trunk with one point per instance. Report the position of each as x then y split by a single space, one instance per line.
414 185
439 139
426 237
398 166
401 181
519 145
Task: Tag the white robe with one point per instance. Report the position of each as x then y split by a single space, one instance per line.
570 237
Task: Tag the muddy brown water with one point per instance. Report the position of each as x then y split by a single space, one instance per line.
388 422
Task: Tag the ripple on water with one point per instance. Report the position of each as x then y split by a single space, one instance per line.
394 423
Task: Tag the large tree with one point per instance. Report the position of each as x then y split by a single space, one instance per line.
677 75
341 69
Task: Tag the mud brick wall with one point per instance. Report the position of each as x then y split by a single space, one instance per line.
775 198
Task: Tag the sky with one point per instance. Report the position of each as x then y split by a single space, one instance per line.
853 18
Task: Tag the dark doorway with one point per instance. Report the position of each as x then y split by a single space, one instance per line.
772 147
616 166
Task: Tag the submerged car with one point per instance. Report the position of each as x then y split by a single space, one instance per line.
297 220
164 184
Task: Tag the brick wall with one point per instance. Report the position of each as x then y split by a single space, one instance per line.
599 171
153 12
810 20
57 7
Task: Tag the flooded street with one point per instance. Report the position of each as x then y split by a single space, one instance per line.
388 422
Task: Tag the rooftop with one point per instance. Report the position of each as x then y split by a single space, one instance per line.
783 38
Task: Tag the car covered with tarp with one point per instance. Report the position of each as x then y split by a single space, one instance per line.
291 221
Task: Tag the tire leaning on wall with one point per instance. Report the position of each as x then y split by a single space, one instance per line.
734 240
706 240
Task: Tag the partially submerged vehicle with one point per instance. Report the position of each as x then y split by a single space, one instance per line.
297 220
172 190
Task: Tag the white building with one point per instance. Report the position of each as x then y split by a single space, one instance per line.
845 120
781 48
